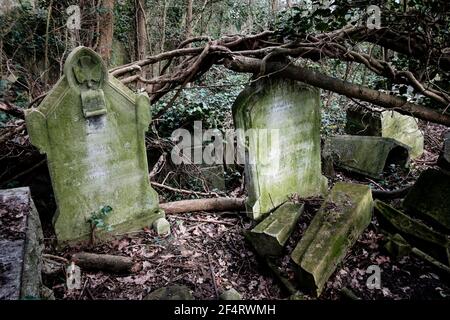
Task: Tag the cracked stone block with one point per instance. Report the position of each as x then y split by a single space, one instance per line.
270 235
341 219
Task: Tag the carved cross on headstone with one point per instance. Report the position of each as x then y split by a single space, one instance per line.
92 129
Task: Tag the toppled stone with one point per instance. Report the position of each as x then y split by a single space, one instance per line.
173 292
21 245
281 119
270 235
367 155
92 129
415 232
430 197
397 246
370 121
230 294
342 218
444 157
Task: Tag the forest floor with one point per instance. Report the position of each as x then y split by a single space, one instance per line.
208 253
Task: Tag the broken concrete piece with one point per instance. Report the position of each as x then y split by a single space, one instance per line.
21 245
415 232
173 292
270 236
430 197
92 129
281 119
370 121
342 218
367 155
230 294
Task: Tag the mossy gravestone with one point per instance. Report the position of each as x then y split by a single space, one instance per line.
385 123
281 121
92 129
342 218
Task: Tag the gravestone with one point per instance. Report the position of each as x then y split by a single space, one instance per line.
366 155
429 197
341 219
92 129
21 245
281 120
371 121
444 157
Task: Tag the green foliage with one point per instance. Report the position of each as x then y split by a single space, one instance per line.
208 100
97 219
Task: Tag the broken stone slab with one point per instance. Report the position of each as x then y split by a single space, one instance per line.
444 157
230 294
92 129
21 245
173 292
270 235
367 155
341 219
371 121
278 122
415 232
397 247
430 197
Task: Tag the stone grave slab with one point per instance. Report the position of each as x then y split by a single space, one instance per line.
430 197
281 120
341 219
271 234
371 121
21 245
366 155
91 127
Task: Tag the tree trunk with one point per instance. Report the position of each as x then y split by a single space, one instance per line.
104 262
317 79
106 30
141 30
215 204
189 20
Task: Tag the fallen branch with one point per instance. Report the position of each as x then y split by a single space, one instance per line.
203 194
104 262
215 204
12 110
389 195
317 79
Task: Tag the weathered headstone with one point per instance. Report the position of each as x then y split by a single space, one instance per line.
430 197
366 155
92 129
271 234
342 218
21 245
281 119
371 121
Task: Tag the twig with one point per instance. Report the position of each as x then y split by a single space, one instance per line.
205 194
207 221
53 257
213 277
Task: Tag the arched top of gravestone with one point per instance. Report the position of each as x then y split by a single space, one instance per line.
84 69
